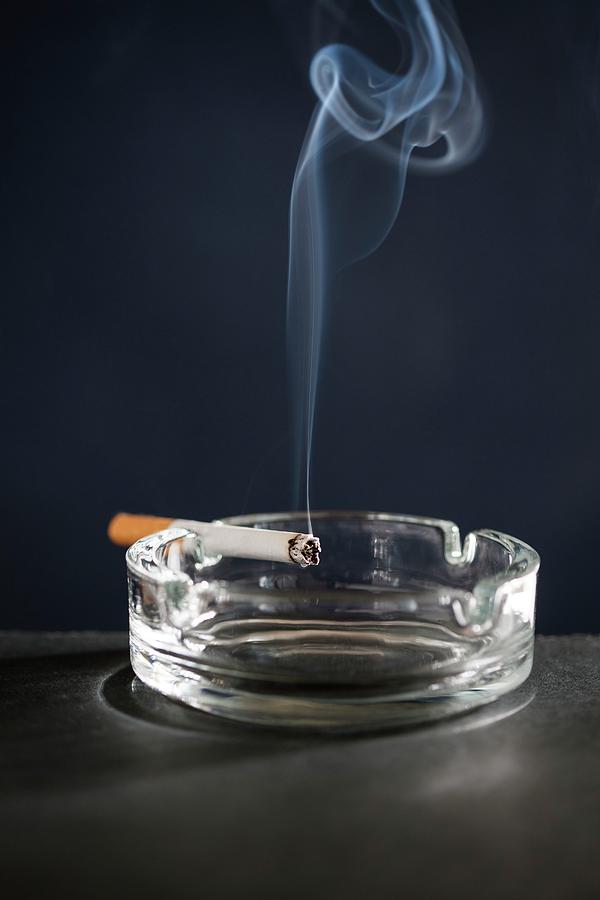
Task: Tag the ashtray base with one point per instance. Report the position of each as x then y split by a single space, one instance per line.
281 706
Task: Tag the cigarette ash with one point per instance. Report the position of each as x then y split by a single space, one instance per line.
305 550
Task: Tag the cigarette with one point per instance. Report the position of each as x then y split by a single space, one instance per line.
223 540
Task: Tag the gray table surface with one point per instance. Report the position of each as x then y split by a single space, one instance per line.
109 790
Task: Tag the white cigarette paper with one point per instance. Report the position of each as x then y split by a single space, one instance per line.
255 543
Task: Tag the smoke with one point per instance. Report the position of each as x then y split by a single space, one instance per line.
351 173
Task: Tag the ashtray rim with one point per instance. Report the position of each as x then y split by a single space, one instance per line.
143 556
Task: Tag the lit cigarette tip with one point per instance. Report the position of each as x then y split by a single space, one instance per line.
305 550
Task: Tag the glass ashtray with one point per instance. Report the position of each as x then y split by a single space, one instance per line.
399 624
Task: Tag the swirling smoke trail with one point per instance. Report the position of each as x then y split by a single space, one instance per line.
350 176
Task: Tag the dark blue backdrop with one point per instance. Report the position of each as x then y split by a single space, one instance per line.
148 154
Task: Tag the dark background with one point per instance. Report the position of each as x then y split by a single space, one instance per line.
148 153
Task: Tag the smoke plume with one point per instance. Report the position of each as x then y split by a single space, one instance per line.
351 173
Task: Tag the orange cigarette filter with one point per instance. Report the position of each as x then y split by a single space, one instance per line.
125 529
